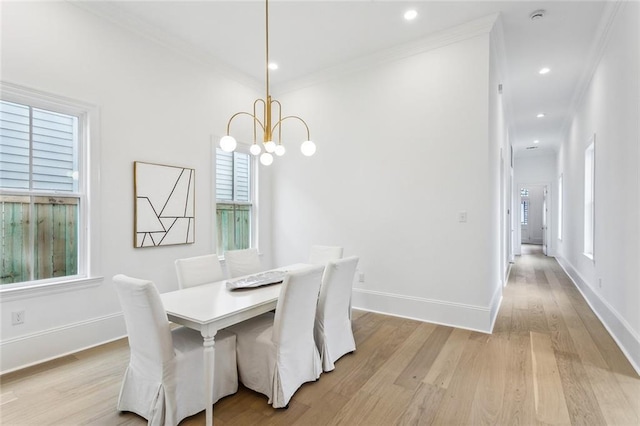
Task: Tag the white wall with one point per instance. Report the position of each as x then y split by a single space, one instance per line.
609 109
154 106
500 166
403 147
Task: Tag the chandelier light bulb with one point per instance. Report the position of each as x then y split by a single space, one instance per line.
266 159
308 148
228 143
280 150
255 149
270 146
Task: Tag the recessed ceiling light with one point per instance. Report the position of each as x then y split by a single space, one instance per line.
536 141
540 115
410 15
273 66
544 70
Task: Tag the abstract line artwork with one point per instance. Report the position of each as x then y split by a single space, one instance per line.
164 205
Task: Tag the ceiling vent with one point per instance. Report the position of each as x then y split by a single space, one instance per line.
532 147
537 14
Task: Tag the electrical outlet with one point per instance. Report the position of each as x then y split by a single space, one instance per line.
361 277
462 216
599 282
17 317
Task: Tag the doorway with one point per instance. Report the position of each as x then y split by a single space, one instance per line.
533 213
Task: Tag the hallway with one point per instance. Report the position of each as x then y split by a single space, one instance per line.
575 369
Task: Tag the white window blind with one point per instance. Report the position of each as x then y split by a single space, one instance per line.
233 176
37 149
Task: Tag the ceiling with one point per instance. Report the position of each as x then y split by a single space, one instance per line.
308 37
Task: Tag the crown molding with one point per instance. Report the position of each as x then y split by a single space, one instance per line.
112 13
603 34
436 40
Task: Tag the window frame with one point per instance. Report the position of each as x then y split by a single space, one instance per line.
560 206
589 233
87 193
253 196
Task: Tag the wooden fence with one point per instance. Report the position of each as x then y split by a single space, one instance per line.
47 249
233 223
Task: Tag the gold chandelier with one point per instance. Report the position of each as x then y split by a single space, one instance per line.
228 143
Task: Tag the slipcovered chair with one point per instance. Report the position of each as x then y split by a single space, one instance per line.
320 255
242 262
164 382
193 271
332 331
276 352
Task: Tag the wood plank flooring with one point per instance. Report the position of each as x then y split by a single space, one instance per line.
548 361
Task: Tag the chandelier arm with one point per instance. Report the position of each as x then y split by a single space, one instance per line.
255 103
275 101
255 120
279 123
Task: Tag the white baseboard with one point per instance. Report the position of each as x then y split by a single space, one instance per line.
31 349
616 325
459 315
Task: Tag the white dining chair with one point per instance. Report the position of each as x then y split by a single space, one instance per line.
320 255
193 271
164 381
276 352
332 331
242 262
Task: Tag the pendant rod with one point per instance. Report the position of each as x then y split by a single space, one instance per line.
266 14
267 134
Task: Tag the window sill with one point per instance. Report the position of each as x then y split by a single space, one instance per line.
43 289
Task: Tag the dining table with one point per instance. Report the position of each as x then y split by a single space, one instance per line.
212 307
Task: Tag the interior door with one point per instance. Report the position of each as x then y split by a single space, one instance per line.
524 216
544 220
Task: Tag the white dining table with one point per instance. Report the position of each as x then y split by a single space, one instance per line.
211 307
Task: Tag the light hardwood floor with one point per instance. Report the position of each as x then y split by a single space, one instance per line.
548 361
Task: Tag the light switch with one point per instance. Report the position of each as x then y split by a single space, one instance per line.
462 216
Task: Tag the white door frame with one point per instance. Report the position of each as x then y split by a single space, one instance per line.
518 219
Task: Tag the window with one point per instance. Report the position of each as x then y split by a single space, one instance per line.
524 212
524 206
234 200
42 194
560 183
589 198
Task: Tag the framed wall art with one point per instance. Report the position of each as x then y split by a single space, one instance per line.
164 199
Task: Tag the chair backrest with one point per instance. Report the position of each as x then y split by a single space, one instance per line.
334 302
242 262
193 271
320 255
148 329
296 307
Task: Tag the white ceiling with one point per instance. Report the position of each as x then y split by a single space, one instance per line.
307 37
